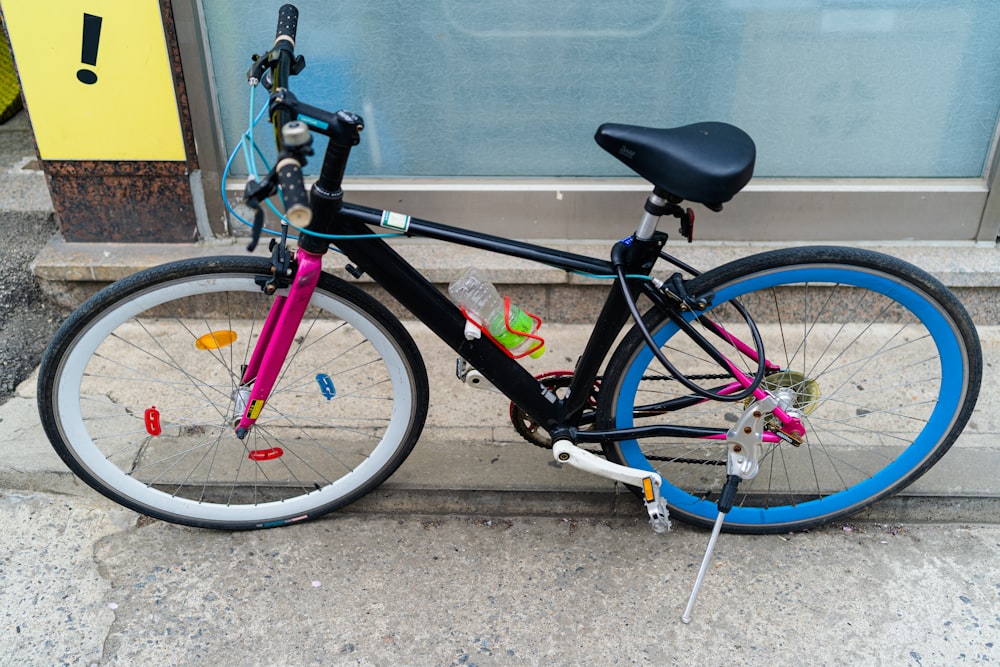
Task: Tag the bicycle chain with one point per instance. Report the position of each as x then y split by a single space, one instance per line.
668 378
529 435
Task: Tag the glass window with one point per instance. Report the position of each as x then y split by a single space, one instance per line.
827 88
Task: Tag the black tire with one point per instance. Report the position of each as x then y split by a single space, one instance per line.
139 388
879 359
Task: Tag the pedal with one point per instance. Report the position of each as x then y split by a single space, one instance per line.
470 376
656 506
565 451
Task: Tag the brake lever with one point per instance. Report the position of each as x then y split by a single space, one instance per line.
257 69
253 195
260 70
258 226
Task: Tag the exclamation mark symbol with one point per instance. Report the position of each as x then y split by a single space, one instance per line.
88 54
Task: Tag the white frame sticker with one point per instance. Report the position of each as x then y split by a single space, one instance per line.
396 221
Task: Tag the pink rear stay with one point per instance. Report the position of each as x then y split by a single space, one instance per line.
286 313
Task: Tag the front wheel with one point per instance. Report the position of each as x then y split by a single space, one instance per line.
879 361
139 393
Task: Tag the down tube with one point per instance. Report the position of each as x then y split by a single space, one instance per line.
432 308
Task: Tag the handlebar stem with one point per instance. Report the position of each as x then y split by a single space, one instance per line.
343 127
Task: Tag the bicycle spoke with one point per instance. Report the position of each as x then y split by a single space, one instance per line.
149 397
863 353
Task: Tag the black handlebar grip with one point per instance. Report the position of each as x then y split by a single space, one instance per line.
293 190
288 21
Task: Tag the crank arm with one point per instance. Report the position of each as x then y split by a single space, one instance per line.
565 451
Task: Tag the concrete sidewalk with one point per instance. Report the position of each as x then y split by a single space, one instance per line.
480 552
471 461
85 583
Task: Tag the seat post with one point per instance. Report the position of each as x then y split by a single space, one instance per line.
655 207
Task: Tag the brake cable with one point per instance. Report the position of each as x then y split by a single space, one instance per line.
684 325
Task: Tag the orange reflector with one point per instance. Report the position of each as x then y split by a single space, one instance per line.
215 340
647 489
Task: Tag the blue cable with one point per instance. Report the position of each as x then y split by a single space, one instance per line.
249 148
596 276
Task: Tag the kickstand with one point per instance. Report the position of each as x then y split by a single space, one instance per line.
725 504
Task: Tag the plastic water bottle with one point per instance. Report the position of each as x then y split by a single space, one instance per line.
484 306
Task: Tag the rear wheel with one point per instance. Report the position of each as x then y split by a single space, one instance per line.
139 392
880 362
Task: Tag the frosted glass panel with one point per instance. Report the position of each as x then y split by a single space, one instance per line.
827 88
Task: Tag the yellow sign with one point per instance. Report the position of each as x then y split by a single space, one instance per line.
96 78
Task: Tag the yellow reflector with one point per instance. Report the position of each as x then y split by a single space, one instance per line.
215 340
255 408
647 490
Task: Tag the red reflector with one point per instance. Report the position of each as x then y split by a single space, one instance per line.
266 454
153 421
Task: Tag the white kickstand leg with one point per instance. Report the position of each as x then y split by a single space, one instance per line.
704 566
726 499
743 462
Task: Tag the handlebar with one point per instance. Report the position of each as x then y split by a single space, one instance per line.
288 21
295 135
291 136
293 120
280 62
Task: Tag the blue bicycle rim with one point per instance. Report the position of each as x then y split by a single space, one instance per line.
949 398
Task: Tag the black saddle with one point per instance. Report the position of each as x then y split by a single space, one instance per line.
706 163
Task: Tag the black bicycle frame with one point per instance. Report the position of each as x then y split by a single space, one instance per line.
559 417
352 225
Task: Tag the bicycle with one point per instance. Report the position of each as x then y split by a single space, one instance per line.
770 394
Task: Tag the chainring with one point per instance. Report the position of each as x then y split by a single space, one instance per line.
558 382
